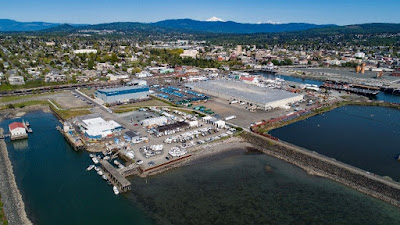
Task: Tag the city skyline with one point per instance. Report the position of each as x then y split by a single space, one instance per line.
252 11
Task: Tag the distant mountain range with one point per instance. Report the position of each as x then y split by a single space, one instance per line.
12 25
7 25
213 25
218 26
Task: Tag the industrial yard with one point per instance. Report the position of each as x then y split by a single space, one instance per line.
146 127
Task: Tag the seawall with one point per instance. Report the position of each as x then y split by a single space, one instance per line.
13 205
316 164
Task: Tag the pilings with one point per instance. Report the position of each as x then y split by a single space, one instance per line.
115 177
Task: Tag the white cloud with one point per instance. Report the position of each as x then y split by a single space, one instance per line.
269 22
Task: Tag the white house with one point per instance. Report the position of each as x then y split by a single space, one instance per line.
189 53
359 55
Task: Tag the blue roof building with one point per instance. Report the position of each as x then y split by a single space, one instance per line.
123 94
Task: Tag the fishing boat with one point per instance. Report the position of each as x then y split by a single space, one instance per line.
115 189
90 168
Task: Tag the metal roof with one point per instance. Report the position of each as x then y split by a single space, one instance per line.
242 91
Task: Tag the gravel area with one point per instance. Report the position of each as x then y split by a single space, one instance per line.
14 207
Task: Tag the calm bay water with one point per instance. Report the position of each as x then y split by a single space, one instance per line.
54 183
365 137
237 189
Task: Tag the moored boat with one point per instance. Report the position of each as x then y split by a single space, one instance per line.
115 189
90 168
95 160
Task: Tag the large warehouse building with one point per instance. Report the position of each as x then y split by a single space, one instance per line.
123 94
263 98
97 128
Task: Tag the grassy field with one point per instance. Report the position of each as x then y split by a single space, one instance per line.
64 114
14 98
24 104
3 219
71 113
89 92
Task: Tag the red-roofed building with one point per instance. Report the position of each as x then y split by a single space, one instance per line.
247 78
17 131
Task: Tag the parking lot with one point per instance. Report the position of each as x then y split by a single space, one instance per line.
153 149
244 118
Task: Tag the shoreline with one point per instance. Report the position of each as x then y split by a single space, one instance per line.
14 206
210 150
320 165
265 129
232 146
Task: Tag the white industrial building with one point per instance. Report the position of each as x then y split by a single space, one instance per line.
154 121
254 96
143 74
85 51
97 128
112 77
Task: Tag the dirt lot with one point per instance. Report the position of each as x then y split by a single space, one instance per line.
68 101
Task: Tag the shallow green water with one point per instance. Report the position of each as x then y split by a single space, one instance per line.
235 189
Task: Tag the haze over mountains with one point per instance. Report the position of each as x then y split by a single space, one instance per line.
212 25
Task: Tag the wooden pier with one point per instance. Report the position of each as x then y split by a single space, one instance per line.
76 142
115 177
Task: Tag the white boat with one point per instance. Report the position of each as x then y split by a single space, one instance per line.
104 177
115 189
90 168
96 168
95 160
92 155
100 173
106 158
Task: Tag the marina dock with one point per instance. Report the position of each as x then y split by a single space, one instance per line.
115 177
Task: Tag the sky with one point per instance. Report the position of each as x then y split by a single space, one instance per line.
340 12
